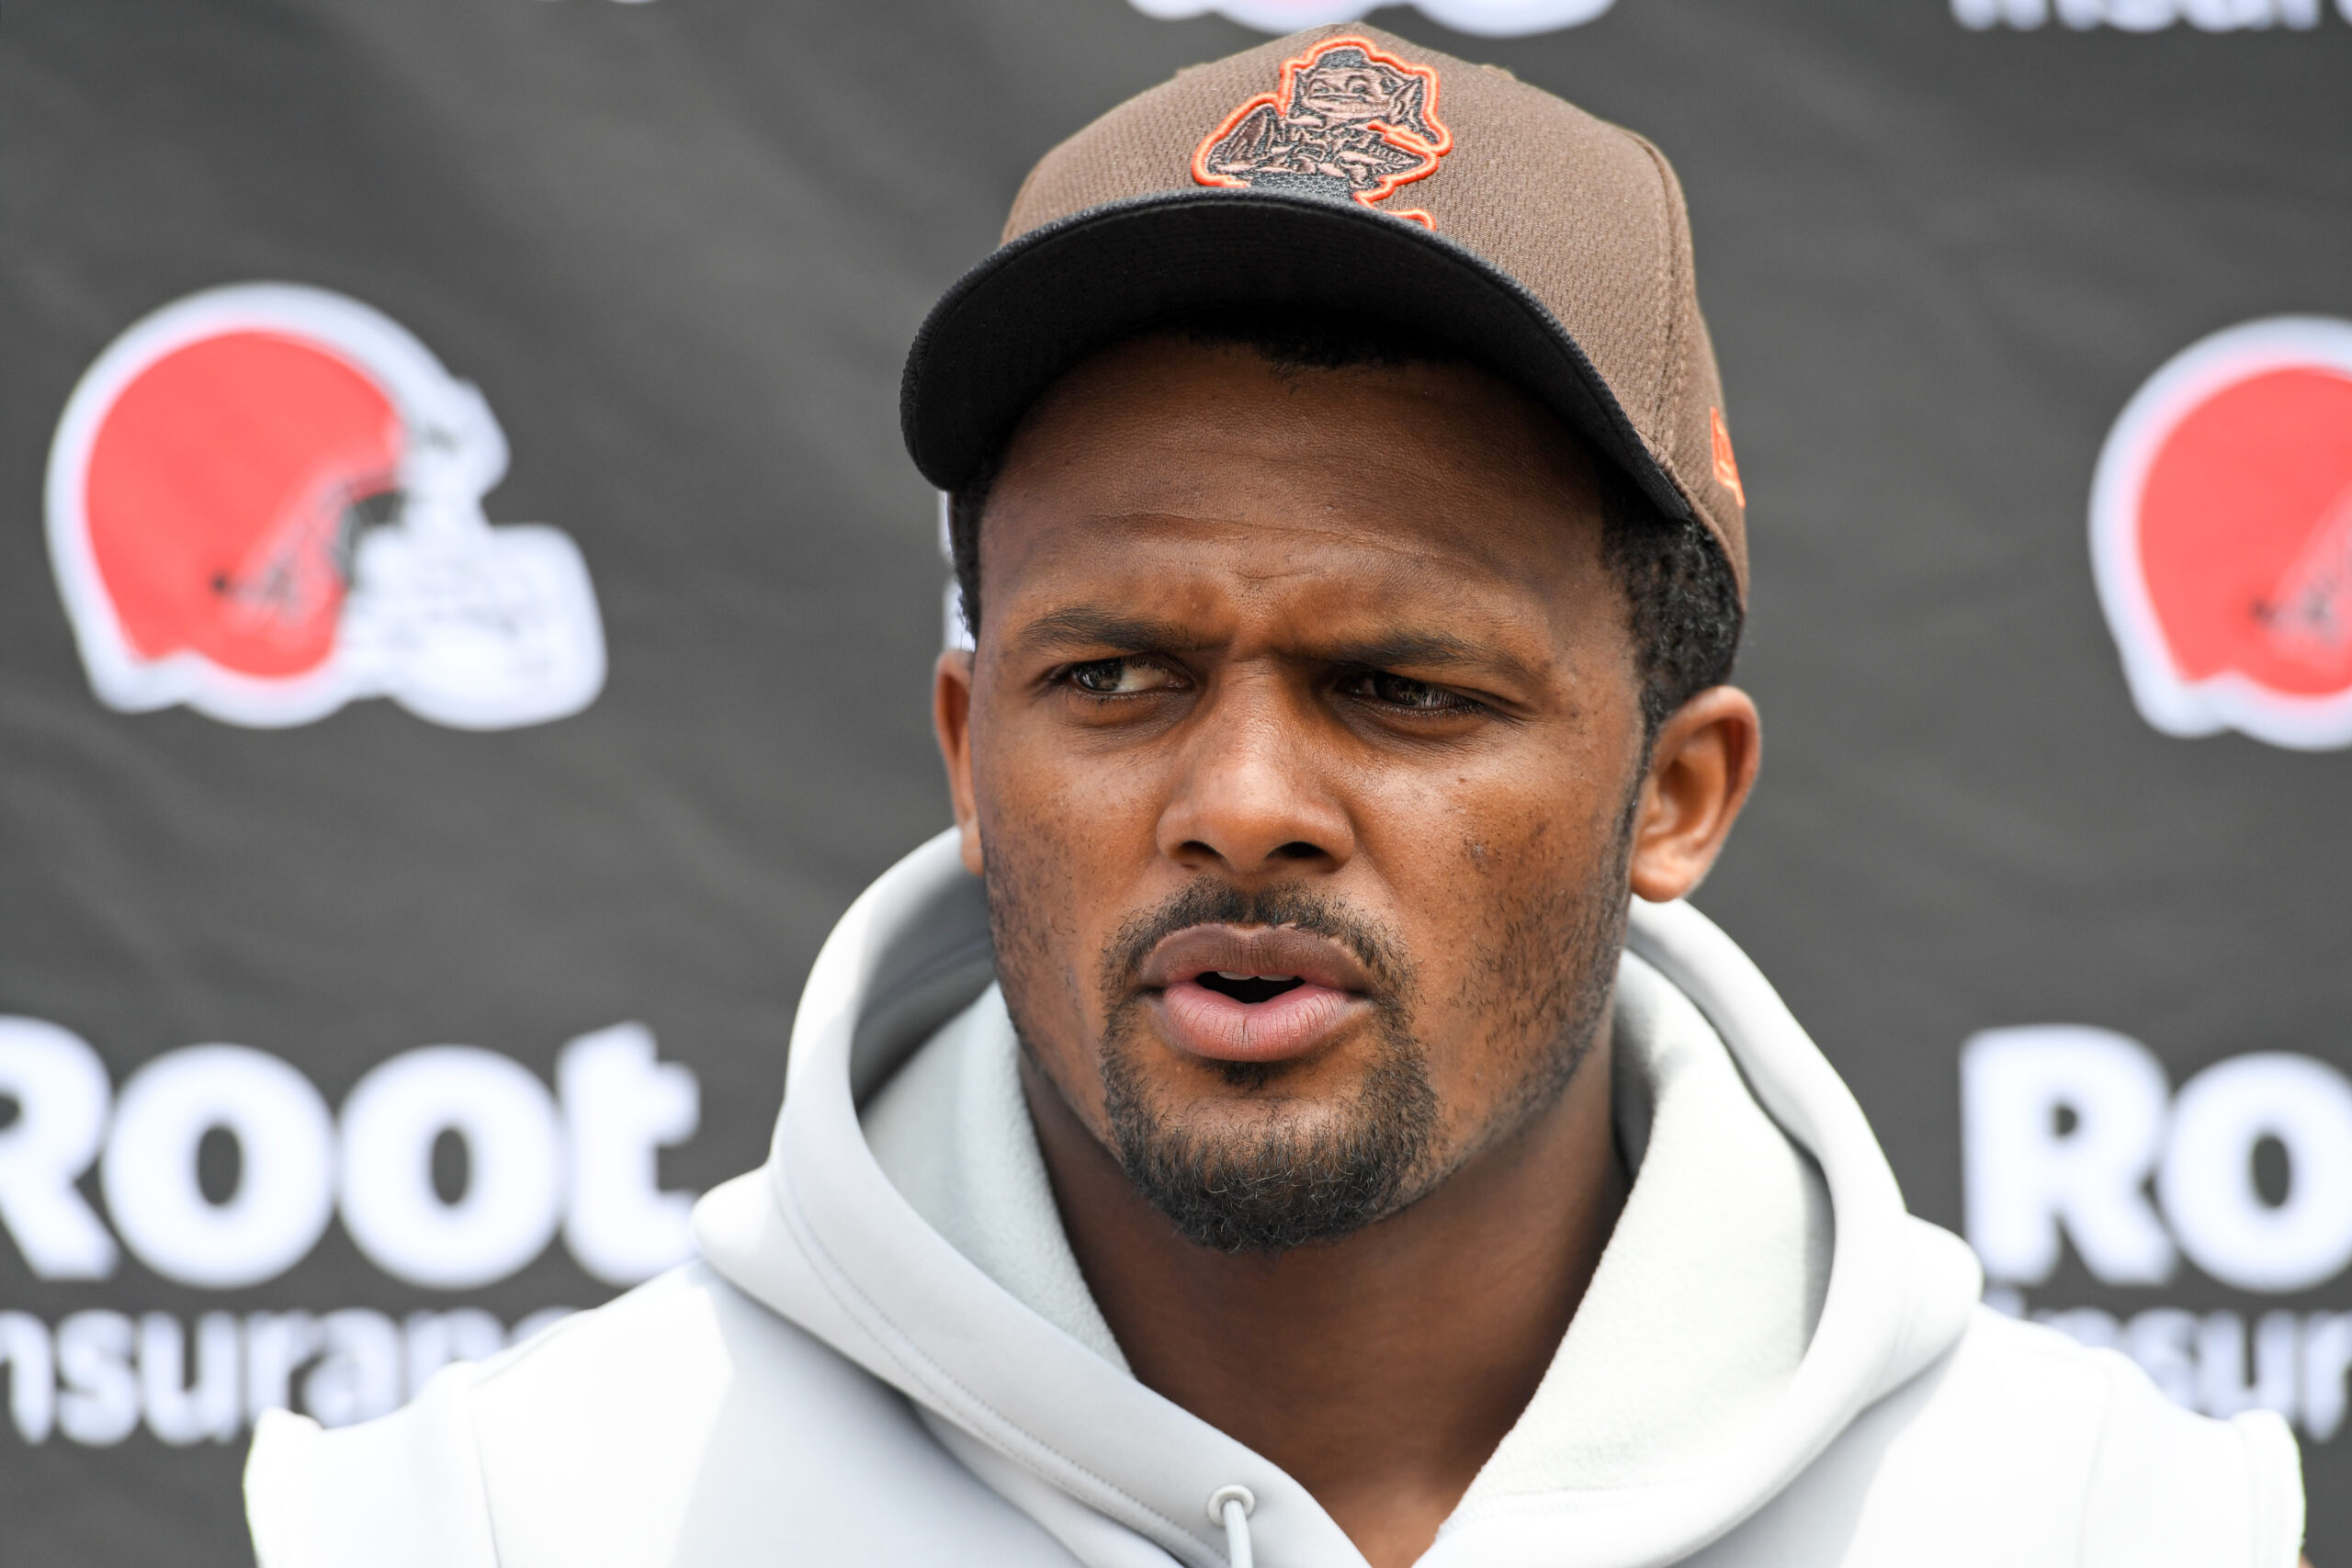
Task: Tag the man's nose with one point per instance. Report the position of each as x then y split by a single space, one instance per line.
1252 793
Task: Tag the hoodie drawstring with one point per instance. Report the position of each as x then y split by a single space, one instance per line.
1231 1506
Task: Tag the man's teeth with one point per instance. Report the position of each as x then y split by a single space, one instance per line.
1229 974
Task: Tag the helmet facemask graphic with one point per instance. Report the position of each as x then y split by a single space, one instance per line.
266 500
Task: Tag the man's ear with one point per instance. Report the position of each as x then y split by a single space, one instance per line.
951 716
1700 769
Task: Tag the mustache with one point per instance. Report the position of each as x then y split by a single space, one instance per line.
1208 901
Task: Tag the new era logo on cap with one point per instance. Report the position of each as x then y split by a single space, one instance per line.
1543 243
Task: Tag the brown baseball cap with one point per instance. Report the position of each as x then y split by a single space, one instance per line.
1343 168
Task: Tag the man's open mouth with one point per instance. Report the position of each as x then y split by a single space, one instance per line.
1253 993
1248 987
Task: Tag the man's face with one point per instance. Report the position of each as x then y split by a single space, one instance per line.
1297 749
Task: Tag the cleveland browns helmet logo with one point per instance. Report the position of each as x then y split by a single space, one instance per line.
2222 536
265 501
1346 123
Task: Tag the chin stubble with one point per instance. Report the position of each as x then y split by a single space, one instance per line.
1283 1180
1286 1179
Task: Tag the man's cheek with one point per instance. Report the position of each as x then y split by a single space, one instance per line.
1043 951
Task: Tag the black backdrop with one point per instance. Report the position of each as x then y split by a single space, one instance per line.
681 247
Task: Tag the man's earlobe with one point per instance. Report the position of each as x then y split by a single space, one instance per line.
1700 769
951 715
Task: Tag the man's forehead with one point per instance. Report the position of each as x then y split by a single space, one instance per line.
1163 448
1336 558
1168 388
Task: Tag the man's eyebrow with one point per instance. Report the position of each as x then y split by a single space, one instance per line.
1084 625
1407 648
1424 650
1087 626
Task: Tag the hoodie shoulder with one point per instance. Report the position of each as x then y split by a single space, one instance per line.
2158 1485
681 1423
404 1490
2021 1447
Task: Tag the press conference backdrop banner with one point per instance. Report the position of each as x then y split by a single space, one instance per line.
465 620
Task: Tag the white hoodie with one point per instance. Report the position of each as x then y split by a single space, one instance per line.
888 1355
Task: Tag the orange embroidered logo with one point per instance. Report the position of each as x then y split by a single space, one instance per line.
1346 123
1726 466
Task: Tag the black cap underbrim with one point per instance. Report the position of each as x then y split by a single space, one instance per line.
1014 324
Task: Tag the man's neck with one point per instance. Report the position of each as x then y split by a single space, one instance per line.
1380 1371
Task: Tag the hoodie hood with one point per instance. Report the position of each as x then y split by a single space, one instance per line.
1016 1377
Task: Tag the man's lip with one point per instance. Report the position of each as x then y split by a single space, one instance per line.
1208 1023
1202 1022
1253 950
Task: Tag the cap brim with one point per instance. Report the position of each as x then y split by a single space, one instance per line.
1012 325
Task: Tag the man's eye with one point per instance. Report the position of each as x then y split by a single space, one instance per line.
1403 692
1121 677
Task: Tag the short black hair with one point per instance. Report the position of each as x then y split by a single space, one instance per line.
1684 602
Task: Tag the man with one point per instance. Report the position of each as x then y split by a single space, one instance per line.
1292 1118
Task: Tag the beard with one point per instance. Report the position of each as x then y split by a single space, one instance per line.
1545 974
1283 1182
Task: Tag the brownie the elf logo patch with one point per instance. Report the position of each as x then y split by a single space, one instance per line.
1346 123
